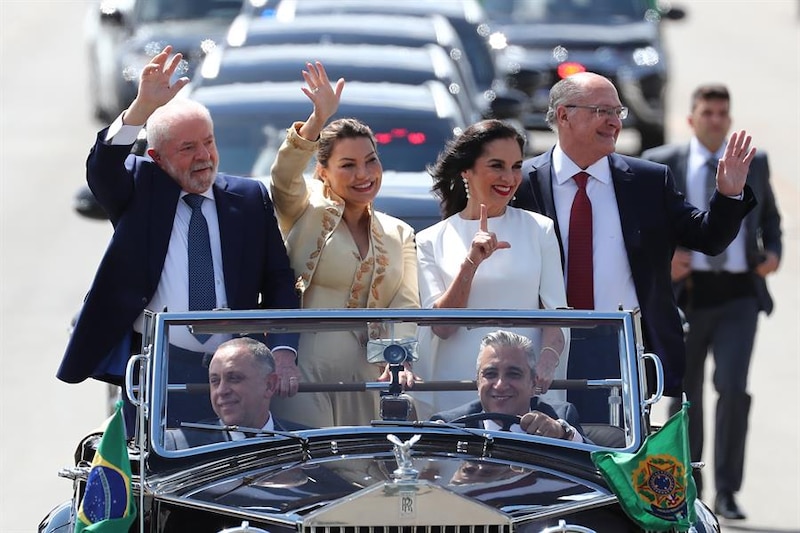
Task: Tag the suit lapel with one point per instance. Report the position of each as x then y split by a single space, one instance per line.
681 168
542 175
163 200
627 201
231 219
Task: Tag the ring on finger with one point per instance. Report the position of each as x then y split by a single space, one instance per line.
315 90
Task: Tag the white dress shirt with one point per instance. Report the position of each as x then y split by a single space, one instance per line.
239 435
613 281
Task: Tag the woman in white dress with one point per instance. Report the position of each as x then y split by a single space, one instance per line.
485 254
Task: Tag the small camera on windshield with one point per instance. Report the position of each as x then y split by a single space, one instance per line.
394 354
394 351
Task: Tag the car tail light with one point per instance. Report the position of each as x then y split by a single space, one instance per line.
569 68
412 137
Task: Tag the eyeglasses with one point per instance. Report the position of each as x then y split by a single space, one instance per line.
620 112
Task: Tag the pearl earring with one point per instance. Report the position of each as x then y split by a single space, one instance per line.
466 187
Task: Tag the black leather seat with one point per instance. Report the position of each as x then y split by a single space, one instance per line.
605 435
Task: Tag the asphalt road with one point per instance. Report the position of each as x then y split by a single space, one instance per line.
48 255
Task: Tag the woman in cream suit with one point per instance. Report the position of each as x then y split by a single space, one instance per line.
344 254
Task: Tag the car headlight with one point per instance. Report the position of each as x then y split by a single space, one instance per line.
646 57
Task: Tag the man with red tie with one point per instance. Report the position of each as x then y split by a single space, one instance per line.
626 215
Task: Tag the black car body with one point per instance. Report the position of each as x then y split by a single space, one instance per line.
411 122
392 474
545 41
467 18
490 96
353 62
122 36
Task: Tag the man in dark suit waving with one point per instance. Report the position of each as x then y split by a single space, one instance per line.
622 217
153 203
506 385
242 381
722 295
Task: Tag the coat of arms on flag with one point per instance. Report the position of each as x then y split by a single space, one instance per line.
655 486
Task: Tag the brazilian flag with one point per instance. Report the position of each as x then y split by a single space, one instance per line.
108 505
655 486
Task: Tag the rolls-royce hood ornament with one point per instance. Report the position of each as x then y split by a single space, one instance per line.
402 452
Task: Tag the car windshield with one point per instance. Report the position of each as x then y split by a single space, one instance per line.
199 398
566 11
164 10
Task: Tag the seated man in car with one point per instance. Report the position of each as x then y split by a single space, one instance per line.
506 385
242 380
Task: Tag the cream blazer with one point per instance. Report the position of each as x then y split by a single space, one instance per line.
308 213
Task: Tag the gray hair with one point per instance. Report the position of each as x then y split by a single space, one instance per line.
160 124
567 91
261 354
564 91
503 338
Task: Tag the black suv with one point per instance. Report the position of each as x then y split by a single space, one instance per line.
543 41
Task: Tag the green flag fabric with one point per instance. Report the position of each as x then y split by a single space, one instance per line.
655 486
108 505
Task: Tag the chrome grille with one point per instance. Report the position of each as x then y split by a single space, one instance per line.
493 528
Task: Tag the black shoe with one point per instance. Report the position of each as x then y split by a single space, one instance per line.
725 506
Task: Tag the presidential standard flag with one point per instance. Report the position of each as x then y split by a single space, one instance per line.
107 505
655 486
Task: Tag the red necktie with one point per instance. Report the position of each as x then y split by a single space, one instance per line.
580 276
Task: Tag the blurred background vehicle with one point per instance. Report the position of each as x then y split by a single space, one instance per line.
490 96
122 35
411 122
543 41
353 62
467 18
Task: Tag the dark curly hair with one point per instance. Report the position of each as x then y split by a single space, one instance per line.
459 155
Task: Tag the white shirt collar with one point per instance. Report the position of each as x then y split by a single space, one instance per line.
565 167
209 193
269 426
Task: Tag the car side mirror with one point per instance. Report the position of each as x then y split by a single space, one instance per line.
86 205
112 17
509 103
674 13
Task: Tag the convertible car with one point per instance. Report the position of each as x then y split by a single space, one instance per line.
401 471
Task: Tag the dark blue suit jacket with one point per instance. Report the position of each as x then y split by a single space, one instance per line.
563 410
762 225
183 438
655 218
141 200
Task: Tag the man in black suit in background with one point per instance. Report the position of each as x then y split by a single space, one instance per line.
721 296
636 218
242 381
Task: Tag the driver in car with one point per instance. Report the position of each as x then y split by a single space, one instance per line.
506 387
242 381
